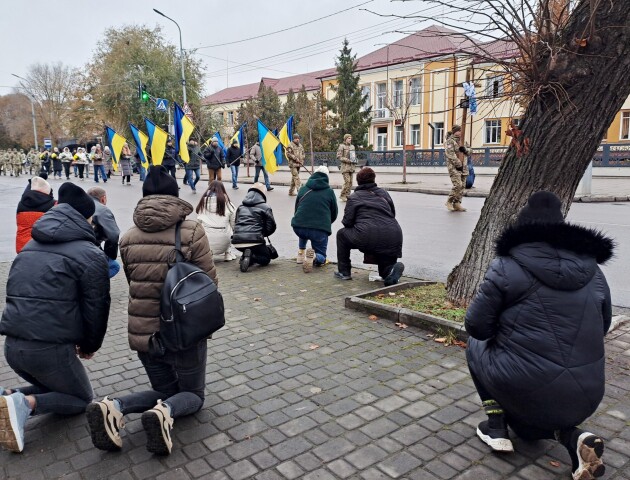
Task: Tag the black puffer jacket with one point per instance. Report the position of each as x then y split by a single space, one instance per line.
537 324
370 217
214 157
233 157
58 286
254 220
170 157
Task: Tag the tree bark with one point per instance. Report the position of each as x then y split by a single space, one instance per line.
560 133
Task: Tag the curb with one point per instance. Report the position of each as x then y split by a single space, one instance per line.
403 315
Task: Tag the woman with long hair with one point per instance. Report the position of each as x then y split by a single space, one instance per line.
125 164
216 213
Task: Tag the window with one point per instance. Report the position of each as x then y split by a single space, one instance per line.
398 93
494 86
381 93
493 131
398 136
438 133
365 90
230 118
415 134
414 86
625 126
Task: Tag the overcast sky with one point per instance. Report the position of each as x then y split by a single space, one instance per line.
33 31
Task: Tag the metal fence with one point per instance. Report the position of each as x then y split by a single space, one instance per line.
608 155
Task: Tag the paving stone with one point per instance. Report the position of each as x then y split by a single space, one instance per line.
399 464
366 456
241 470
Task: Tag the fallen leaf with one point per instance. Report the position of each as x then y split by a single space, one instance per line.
380 295
303 291
401 325
459 343
553 463
373 318
392 294
440 340
401 296
313 347
430 335
257 299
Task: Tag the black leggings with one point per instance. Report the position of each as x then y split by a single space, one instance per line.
345 244
66 169
128 177
81 167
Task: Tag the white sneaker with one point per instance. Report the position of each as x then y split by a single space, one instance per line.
300 257
105 422
228 257
158 424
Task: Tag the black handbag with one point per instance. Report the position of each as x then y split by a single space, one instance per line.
273 253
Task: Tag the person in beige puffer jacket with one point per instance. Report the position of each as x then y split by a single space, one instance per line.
178 379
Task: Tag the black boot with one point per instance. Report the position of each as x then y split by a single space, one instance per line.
493 432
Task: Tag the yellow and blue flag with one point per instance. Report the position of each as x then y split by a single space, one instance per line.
142 140
157 141
183 130
238 136
268 144
279 149
116 143
286 133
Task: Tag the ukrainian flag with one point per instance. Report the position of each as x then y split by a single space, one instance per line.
286 133
268 144
183 130
116 143
142 140
279 157
157 141
238 136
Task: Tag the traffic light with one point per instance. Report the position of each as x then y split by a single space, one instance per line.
142 92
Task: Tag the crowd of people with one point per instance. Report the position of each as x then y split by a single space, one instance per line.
537 325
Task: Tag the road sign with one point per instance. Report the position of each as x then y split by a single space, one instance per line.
187 111
47 142
161 104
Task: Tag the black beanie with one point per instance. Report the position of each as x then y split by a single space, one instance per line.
159 182
75 197
542 207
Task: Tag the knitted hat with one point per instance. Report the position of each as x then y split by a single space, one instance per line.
456 128
38 184
214 139
159 182
322 169
296 135
259 187
366 175
542 207
75 197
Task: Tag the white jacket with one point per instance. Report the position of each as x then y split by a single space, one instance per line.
218 228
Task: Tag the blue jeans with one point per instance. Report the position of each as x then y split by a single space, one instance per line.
177 378
143 173
188 178
100 168
58 379
234 169
258 169
319 241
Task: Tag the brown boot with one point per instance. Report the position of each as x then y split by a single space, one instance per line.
458 207
450 206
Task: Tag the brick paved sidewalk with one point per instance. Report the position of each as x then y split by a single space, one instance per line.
371 401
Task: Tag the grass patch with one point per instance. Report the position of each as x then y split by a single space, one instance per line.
429 299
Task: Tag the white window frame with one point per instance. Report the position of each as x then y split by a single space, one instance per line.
368 101
230 118
415 90
398 136
398 93
381 101
494 86
438 133
414 133
381 135
625 117
492 131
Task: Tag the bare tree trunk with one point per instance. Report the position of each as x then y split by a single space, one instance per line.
560 133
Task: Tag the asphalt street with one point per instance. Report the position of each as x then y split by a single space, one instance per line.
434 239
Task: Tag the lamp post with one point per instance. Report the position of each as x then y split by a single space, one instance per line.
32 111
181 51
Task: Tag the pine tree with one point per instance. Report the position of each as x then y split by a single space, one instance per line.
288 108
347 106
269 108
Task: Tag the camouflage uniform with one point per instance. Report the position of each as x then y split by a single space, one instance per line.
34 163
457 170
3 162
18 161
347 156
10 161
295 155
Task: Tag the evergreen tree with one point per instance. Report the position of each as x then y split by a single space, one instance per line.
288 108
349 116
247 112
268 107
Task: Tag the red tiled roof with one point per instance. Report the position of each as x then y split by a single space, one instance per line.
232 94
495 50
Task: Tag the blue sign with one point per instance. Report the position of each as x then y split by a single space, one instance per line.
47 143
161 104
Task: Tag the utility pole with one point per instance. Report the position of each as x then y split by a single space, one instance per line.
181 53
30 96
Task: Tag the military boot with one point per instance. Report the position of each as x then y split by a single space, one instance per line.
458 207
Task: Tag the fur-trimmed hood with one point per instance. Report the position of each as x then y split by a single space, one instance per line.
561 255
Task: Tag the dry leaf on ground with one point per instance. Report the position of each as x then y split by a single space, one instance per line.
440 340
380 295
401 325
303 291
257 299
373 318
313 347
459 343
392 294
553 463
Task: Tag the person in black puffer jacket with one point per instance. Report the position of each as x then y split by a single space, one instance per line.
537 326
170 159
254 222
371 227
57 308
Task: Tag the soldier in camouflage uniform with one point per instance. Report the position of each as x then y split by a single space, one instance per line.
33 162
18 161
10 162
3 168
295 155
457 170
347 156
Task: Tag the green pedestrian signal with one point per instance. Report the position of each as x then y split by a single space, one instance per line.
144 96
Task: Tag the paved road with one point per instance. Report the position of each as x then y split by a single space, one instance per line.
435 239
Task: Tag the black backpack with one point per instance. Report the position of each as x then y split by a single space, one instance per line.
191 307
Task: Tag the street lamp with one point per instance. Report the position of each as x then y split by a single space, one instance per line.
181 51
32 111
